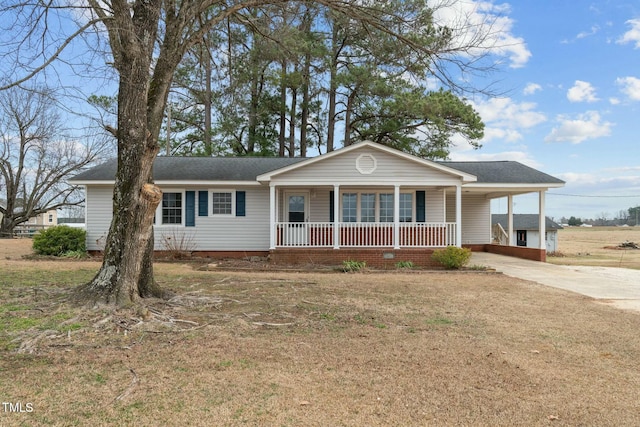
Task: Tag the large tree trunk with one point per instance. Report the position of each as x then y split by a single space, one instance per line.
126 274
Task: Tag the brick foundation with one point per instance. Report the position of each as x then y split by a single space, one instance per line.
518 252
385 258
376 258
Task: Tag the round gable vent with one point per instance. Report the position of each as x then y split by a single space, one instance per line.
366 164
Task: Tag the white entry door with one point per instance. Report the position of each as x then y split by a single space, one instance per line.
297 233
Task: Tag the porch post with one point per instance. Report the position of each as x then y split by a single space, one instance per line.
510 220
542 223
458 215
336 216
396 217
272 216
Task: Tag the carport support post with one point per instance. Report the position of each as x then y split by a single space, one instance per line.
458 215
336 216
396 217
510 220
542 220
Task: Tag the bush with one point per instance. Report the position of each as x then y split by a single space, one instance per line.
452 257
59 240
351 266
404 265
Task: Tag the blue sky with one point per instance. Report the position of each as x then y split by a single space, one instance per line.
571 102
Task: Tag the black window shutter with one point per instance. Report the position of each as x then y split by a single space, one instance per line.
331 207
420 206
241 203
203 203
190 209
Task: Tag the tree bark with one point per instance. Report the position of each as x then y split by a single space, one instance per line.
126 274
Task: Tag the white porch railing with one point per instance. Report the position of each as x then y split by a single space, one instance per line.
352 234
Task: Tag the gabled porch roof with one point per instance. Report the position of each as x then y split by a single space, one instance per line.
456 174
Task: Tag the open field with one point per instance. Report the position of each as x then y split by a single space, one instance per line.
311 349
596 246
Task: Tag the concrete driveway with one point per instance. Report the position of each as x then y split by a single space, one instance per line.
616 286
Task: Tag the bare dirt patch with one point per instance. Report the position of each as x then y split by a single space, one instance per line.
278 348
597 246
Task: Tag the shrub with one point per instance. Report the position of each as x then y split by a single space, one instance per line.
452 257
353 266
404 264
59 240
178 244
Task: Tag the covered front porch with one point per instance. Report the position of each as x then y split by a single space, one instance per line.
367 217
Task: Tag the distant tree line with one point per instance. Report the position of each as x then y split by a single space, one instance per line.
630 217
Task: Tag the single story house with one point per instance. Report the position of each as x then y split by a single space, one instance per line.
364 202
525 231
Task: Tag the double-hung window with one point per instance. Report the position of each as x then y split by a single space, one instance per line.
171 208
222 203
350 207
367 207
386 207
406 207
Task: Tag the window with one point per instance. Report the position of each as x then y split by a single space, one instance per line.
379 207
350 207
367 208
50 218
172 208
222 203
406 207
386 207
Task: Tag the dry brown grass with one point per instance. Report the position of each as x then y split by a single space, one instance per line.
315 349
597 246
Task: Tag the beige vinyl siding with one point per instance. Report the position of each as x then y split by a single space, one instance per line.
223 232
476 219
343 168
319 206
435 209
99 202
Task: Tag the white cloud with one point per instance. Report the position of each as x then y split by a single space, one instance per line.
508 135
582 92
531 88
623 169
504 118
592 31
507 112
485 27
578 178
602 181
630 87
585 126
614 101
633 35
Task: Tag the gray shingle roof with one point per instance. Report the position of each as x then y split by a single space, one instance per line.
249 168
197 168
501 172
524 222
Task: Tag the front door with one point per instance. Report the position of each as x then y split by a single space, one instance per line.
297 233
521 237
